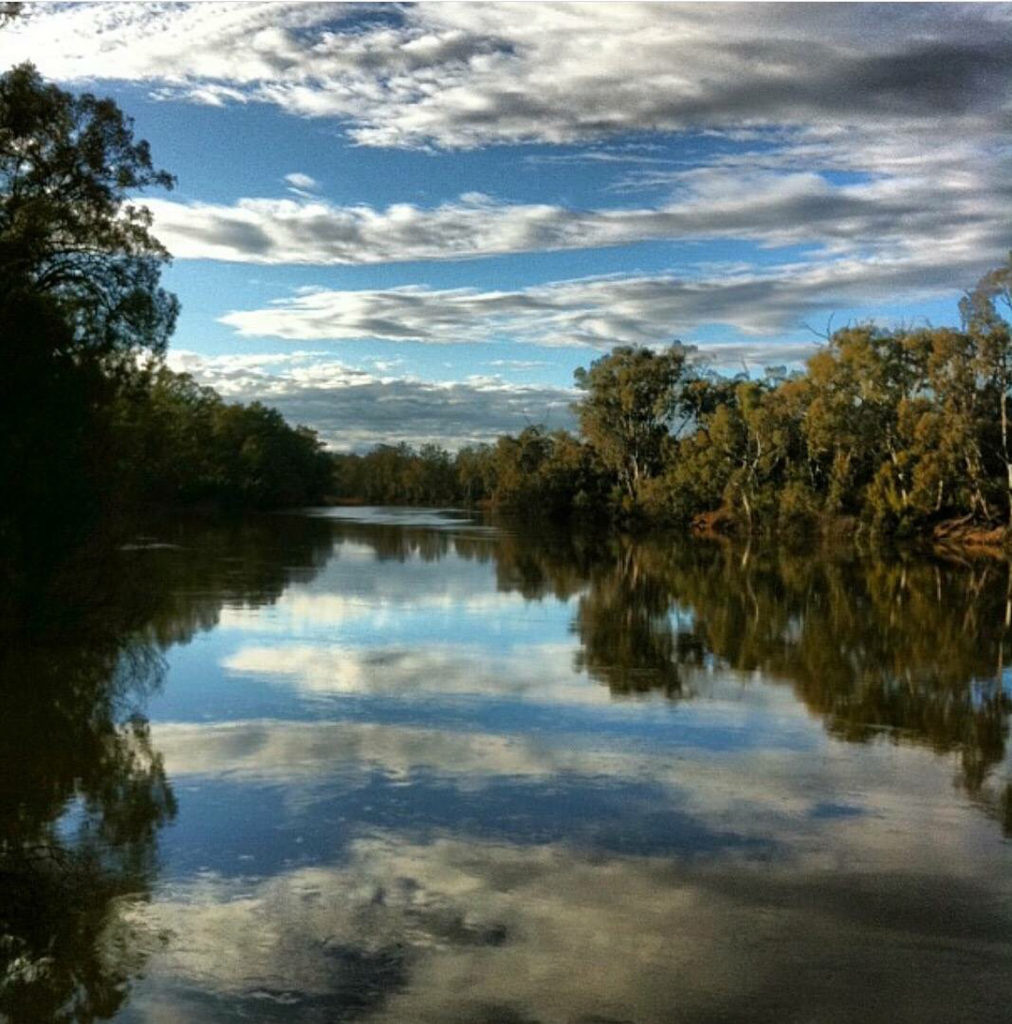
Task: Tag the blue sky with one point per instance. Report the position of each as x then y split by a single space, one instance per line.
412 222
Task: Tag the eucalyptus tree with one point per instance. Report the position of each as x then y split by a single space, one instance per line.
633 396
984 311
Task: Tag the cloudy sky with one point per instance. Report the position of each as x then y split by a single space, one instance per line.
412 222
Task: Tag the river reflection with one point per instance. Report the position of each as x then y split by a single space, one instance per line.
405 766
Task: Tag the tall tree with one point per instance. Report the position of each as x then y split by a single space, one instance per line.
982 311
632 397
69 235
79 299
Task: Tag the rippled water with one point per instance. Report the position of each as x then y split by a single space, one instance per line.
404 766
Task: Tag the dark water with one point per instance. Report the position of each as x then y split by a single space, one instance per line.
405 767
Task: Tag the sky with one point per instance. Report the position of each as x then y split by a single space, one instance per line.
413 222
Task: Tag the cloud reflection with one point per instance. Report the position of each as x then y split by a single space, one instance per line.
457 930
846 807
543 672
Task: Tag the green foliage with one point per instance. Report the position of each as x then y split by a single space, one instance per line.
91 420
475 473
894 431
83 789
79 300
392 474
68 231
899 430
633 396
179 443
553 475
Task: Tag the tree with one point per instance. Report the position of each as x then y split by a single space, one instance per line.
517 464
633 395
69 237
993 342
475 473
79 301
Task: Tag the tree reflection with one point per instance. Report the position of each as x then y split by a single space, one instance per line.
912 648
550 562
626 633
915 650
83 793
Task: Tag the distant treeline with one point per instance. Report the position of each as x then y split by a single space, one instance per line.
552 474
91 420
180 443
889 431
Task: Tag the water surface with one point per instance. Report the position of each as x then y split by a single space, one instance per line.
398 765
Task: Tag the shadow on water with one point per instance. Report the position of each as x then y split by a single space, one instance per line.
83 793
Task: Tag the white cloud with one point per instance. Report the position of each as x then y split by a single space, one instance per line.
623 309
452 598
539 672
453 929
747 794
311 752
866 127
353 409
470 74
769 205
301 184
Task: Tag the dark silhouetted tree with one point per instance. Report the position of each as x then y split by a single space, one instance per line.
79 299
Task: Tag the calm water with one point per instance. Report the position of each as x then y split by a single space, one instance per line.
402 766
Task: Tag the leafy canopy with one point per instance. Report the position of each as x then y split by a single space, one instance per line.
632 397
71 242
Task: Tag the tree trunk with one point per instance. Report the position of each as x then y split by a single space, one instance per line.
1005 450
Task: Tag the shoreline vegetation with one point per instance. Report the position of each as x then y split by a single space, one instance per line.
900 433
96 428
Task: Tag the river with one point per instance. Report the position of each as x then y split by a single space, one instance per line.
407 766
